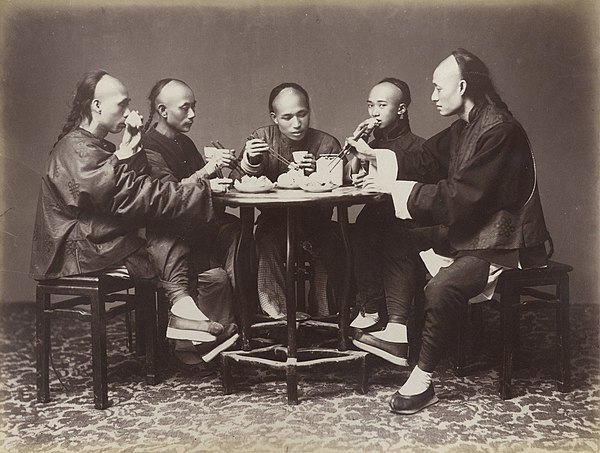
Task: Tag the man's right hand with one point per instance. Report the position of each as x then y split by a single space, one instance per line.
132 137
256 149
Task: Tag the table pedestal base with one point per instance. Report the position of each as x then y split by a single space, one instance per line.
276 357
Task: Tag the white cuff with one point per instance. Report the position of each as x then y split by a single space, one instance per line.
400 191
251 169
385 167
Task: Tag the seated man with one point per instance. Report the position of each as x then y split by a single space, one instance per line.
474 184
387 103
290 111
91 205
172 156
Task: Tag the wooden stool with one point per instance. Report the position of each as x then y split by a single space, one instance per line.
94 291
519 291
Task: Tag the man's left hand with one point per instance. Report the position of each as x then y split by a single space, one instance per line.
308 164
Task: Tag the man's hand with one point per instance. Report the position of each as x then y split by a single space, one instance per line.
256 149
368 124
222 157
358 179
220 185
363 151
374 184
132 137
308 164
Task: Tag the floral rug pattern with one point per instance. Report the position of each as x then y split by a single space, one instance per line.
187 410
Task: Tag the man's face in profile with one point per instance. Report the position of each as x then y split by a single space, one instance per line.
447 94
178 103
113 104
291 114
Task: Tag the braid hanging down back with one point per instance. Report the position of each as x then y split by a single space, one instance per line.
154 93
82 102
480 86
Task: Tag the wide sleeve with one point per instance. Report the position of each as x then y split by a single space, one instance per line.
494 178
427 163
158 167
143 198
83 174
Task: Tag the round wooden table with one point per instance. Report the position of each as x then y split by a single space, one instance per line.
292 201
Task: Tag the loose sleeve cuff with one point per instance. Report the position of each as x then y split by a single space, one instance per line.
250 169
401 191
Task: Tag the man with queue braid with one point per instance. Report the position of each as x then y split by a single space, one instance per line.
474 183
196 258
92 205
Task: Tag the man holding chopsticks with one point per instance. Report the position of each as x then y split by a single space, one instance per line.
268 152
196 257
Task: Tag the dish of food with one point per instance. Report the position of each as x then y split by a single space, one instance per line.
317 183
252 184
289 180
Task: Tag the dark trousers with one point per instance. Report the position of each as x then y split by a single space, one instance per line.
388 268
179 261
384 268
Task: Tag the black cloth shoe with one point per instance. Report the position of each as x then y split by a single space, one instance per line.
396 353
410 404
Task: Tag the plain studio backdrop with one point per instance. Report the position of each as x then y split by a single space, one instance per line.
543 56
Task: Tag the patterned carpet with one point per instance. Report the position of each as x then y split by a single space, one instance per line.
187 411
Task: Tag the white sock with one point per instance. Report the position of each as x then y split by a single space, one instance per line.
393 332
362 322
186 308
417 382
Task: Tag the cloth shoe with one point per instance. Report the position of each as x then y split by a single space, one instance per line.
396 353
406 405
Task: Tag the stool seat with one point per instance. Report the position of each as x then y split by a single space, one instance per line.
92 294
519 290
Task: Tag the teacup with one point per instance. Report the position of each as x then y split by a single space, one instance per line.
299 155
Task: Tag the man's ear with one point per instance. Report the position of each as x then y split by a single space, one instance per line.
95 106
462 87
401 109
162 110
274 118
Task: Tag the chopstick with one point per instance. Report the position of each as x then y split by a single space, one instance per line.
346 150
275 154
219 172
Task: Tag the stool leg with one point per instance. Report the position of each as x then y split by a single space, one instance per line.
163 321
140 338
42 344
363 376
99 351
509 301
146 297
292 383
564 342
226 378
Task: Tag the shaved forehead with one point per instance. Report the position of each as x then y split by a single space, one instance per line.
386 91
447 70
287 96
174 92
109 86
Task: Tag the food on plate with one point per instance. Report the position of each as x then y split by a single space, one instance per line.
290 179
254 184
317 183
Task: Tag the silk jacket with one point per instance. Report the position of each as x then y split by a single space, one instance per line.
91 207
